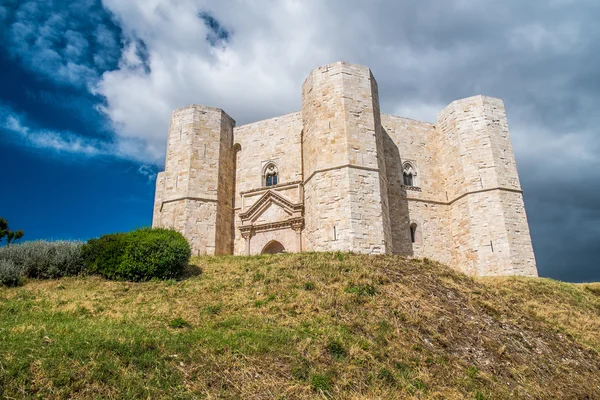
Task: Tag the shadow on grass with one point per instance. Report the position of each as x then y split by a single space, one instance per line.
191 271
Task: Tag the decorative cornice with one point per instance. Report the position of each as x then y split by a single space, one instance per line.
294 223
278 186
162 203
340 167
447 203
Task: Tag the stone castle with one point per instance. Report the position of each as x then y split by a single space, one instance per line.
341 176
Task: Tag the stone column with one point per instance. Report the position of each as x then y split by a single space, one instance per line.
247 235
298 229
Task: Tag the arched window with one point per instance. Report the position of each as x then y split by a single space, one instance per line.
413 233
270 175
409 174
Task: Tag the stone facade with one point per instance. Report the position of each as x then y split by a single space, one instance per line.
339 175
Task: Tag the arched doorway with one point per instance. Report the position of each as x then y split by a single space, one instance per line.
273 247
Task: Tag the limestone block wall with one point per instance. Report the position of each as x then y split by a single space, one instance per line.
196 220
340 178
425 204
158 198
484 190
194 195
342 182
286 237
519 237
276 140
326 194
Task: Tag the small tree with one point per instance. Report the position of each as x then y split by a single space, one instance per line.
5 232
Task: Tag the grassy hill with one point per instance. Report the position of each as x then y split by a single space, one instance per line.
302 326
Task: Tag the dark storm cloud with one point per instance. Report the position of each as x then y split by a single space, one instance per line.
540 56
542 59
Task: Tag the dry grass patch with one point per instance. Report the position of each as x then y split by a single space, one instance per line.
302 326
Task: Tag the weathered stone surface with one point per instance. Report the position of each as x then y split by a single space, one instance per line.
194 193
344 162
340 186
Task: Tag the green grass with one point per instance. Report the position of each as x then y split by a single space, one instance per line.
302 326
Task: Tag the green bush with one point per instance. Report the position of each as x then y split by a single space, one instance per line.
138 255
46 260
10 273
104 255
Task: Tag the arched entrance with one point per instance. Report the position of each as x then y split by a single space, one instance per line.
273 247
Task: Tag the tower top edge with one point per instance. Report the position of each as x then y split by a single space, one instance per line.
202 108
338 64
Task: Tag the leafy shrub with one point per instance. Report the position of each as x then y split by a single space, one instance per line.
138 255
104 255
10 273
46 260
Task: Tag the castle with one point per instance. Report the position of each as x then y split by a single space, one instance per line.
339 175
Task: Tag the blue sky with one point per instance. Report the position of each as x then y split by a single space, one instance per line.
87 87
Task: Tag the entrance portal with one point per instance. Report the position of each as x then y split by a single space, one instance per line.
273 247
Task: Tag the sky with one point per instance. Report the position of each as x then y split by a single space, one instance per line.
87 88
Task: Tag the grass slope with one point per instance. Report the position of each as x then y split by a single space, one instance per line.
302 326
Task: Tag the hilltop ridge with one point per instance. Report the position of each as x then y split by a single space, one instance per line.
304 325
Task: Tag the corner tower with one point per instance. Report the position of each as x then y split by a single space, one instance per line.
345 186
489 226
194 194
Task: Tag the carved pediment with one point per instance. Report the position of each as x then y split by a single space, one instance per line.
270 197
273 210
272 213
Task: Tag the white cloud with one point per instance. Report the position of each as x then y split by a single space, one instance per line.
55 40
17 127
422 60
257 74
540 57
65 142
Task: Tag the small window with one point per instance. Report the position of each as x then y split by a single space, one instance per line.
413 233
271 180
409 174
271 176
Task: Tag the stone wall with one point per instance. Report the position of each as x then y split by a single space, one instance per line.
276 140
287 237
490 230
340 179
342 165
191 198
425 203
